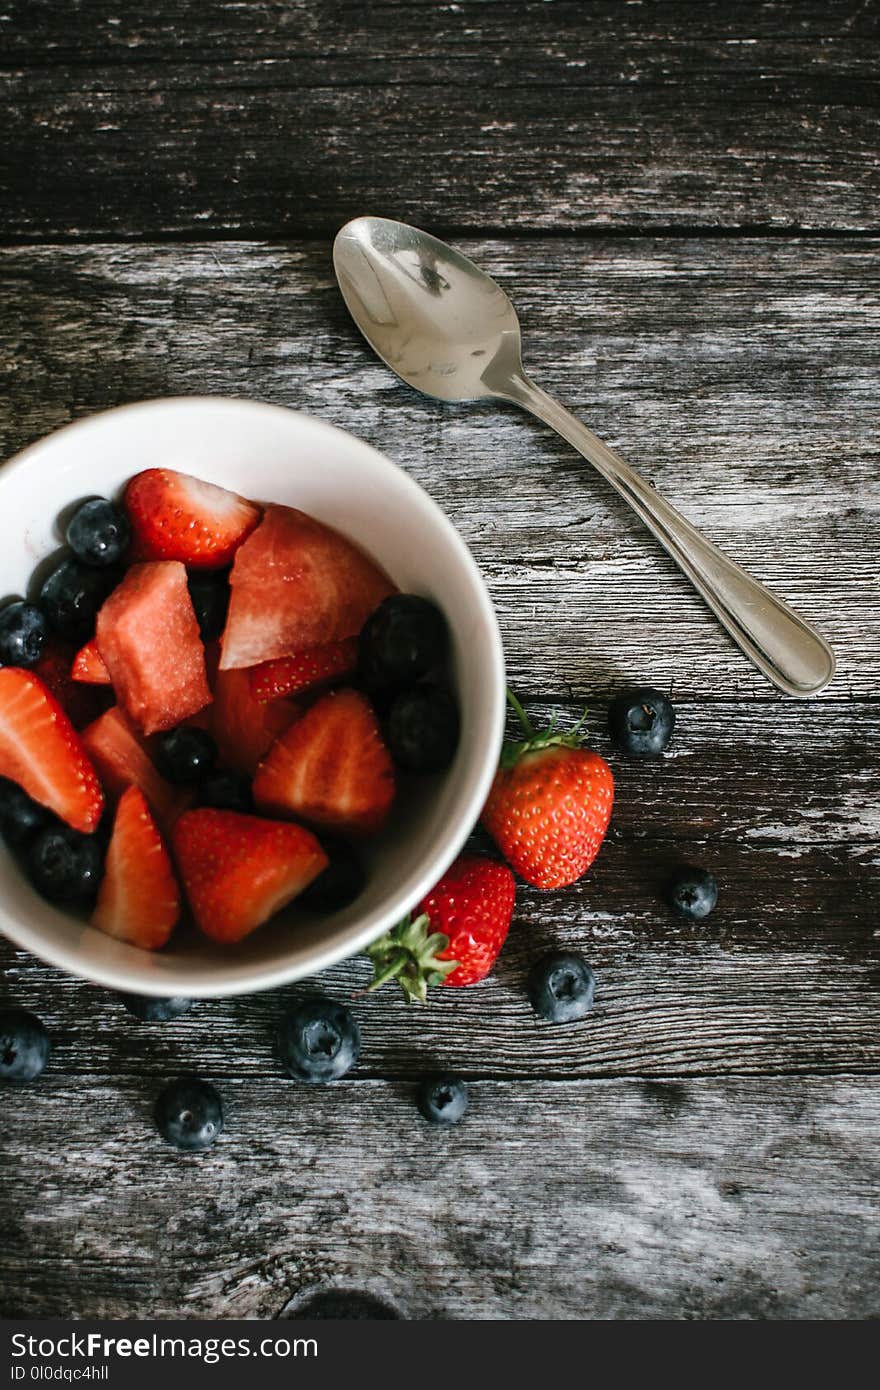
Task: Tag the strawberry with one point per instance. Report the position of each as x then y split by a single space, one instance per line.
121 761
455 933
88 666
239 870
149 640
139 900
43 753
244 727
549 806
330 768
80 703
176 517
288 675
297 583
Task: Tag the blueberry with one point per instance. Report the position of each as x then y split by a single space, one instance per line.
404 639
561 987
189 1113
98 533
151 1010
64 865
422 729
24 1045
72 595
185 755
442 1099
319 1040
22 634
341 882
20 817
693 893
641 722
209 591
228 791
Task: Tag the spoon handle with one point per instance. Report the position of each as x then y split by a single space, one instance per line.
787 649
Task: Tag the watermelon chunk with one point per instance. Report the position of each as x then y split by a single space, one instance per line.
149 640
244 727
297 583
122 761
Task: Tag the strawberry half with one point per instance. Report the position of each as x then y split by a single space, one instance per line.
177 517
89 667
139 900
238 870
455 933
549 806
331 768
288 675
43 753
297 583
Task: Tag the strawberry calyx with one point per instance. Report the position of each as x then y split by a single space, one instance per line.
409 954
535 740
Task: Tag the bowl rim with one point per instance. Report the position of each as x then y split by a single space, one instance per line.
250 979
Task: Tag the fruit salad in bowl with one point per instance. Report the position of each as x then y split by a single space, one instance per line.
251 696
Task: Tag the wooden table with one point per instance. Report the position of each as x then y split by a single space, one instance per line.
681 199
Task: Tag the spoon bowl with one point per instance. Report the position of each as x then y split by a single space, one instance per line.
434 317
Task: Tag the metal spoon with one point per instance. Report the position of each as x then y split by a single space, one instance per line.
448 330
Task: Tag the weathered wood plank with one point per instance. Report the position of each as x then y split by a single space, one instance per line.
741 376
680 1200
782 977
268 117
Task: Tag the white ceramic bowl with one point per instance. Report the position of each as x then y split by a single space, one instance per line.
271 454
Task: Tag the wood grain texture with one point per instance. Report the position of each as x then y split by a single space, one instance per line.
291 117
694 1199
739 375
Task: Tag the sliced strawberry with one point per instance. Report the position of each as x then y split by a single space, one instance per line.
139 900
177 517
88 666
244 727
43 753
297 584
80 703
121 761
149 639
330 768
238 870
288 675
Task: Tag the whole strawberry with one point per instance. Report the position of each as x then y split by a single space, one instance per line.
549 806
454 934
